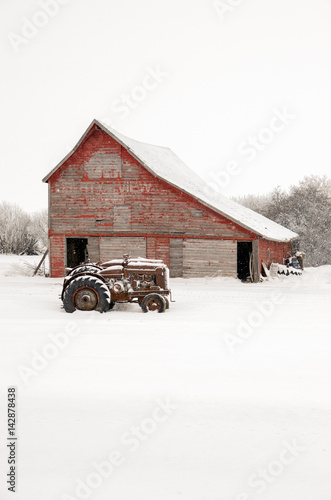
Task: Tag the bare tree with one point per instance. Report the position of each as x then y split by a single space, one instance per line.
306 209
39 228
257 202
16 235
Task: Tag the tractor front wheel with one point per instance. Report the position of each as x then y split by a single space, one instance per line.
153 302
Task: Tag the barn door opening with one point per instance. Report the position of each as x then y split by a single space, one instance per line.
244 251
76 251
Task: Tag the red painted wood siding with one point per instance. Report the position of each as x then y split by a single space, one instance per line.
278 251
57 247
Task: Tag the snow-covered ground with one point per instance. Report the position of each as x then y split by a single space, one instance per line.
226 396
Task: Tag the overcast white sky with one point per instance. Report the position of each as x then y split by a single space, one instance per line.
222 76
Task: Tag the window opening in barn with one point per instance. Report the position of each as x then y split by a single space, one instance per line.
268 254
77 252
244 251
196 213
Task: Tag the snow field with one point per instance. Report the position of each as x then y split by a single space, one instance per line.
247 417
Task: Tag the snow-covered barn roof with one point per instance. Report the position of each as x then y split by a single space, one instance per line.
164 164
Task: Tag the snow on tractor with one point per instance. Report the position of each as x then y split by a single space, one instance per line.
97 287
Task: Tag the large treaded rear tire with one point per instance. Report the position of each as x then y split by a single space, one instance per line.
83 269
86 293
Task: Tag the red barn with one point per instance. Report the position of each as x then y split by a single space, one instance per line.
113 195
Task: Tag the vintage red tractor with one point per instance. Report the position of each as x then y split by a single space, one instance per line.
98 287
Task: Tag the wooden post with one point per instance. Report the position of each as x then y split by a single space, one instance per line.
256 263
39 265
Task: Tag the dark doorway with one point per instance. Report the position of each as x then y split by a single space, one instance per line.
244 251
76 251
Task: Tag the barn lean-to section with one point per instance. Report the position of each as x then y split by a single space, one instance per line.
112 195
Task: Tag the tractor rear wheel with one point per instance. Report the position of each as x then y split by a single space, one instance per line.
153 302
83 269
86 293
